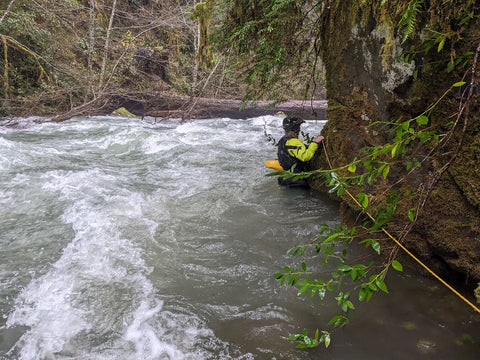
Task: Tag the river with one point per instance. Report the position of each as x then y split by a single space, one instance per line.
123 238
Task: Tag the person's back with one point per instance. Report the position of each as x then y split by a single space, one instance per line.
292 152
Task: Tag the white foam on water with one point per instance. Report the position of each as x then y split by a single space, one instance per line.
45 308
73 300
146 337
158 143
53 306
122 188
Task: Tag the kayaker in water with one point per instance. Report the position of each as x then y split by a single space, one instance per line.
292 151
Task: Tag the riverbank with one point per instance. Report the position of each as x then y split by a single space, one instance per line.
163 105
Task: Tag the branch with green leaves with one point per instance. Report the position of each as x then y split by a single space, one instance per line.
343 277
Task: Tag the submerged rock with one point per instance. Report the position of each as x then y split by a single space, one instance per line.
426 346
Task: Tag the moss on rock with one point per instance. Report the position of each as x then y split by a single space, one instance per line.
123 112
367 82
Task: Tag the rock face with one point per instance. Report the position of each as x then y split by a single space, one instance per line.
368 82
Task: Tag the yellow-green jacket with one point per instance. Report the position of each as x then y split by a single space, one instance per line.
293 151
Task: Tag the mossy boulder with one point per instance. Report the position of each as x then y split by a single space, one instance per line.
123 112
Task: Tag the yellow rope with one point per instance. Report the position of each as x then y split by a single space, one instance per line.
403 247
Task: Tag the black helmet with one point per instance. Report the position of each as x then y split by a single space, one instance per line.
292 123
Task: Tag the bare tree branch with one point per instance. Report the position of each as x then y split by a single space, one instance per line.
107 46
6 11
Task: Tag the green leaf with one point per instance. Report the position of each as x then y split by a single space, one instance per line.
338 320
303 289
364 291
376 246
361 179
352 168
381 285
363 199
411 214
354 274
422 120
458 84
293 337
395 149
344 268
349 304
299 250
464 20
331 237
370 178
440 46
450 66
275 173
385 171
397 266
325 338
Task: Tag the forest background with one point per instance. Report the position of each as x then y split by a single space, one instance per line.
71 57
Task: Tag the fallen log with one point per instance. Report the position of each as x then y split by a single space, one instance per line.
235 109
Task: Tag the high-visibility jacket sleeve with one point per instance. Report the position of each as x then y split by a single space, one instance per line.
297 149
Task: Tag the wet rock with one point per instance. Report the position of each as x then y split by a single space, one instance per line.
123 112
426 346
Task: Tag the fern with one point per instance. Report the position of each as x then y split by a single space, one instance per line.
406 25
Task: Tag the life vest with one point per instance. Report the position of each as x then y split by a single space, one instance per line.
285 159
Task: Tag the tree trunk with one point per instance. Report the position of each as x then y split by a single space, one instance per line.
107 46
5 69
91 48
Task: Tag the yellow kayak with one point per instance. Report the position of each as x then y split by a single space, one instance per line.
273 164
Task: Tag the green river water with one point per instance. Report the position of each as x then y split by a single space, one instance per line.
134 239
